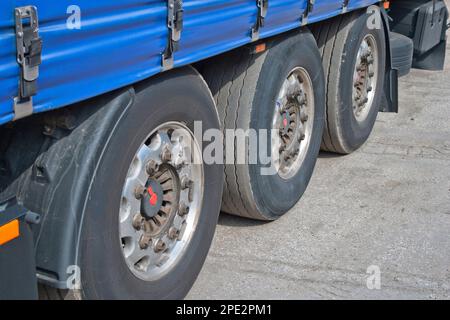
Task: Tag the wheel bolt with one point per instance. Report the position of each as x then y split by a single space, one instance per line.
302 136
186 183
152 167
160 246
166 155
138 220
174 233
301 98
183 210
304 116
139 192
144 242
293 153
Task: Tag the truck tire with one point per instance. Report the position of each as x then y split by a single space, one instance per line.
402 51
354 60
151 212
281 89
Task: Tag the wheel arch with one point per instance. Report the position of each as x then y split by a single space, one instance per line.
62 176
62 171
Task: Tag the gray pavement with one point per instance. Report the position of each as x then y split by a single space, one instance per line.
387 205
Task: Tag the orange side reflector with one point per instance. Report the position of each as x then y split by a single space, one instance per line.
9 232
387 5
260 48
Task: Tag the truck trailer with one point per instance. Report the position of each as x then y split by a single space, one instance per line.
127 126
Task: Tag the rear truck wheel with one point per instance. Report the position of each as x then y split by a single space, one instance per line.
354 59
151 211
402 50
282 91
154 210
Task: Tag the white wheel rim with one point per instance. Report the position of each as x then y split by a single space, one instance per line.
294 121
365 78
155 235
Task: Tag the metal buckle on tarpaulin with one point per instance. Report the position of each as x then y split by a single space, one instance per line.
263 8
345 6
175 22
29 57
308 10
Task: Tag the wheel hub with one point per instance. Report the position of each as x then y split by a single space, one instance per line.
365 78
161 201
152 200
286 121
294 120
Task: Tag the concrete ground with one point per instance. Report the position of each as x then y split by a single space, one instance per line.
387 205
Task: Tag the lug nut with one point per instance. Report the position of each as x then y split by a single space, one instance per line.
174 233
152 167
186 183
160 246
166 155
180 163
48 130
182 231
304 116
138 220
302 136
139 192
144 242
301 98
183 210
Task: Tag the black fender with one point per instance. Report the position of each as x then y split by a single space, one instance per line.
390 100
58 183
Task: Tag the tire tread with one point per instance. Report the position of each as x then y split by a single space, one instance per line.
228 94
331 42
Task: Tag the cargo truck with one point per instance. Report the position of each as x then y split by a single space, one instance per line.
104 105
